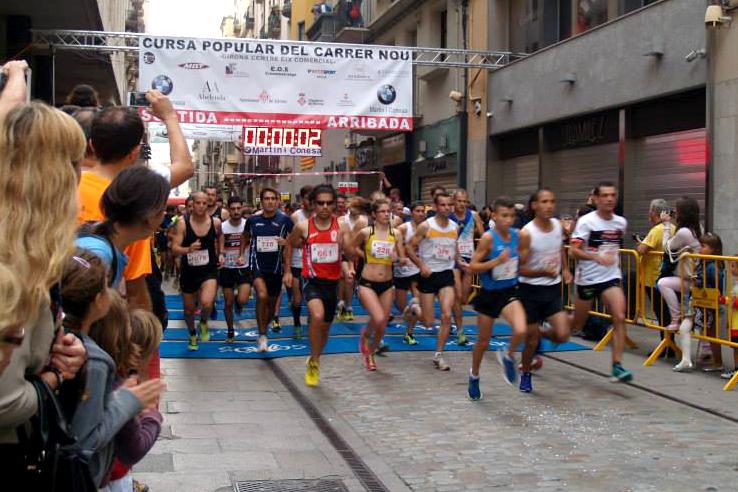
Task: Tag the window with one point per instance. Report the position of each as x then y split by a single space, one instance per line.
444 29
590 13
536 24
301 31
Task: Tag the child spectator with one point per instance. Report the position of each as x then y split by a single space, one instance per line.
99 316
139 435
710 274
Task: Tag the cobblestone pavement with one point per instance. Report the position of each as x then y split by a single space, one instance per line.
577 431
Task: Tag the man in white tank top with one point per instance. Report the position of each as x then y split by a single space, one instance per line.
406 277
543 264
437 253
233 274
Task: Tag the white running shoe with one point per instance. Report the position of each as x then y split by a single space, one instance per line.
263 345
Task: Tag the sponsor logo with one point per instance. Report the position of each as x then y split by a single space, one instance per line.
266 98
193 66
231 70
301 99
359 73
280 71
334 235
321 73
149 58
211 92
163 84
386 94
346 100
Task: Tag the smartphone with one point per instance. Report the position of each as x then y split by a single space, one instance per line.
138 100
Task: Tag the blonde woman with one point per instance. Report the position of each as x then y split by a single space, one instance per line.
39 149
13 313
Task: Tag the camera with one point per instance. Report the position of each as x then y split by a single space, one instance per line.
637 237
138 100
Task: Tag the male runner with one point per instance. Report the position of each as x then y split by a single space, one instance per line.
298 216
266 233
595 243
214 209
496 260
435 243
470 225
233 273
406 277
542 256
322 241
195 239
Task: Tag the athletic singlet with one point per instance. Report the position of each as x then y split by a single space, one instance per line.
297 252
466 233
438 249
232 243
544 252
217 213
411 269
505 274
320 252
204 257
379 251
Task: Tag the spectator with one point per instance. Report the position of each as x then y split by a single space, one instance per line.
39 143
651 261
84 96
14 313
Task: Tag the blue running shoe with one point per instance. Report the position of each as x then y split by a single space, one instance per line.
526 382
620 374
475 394
509 369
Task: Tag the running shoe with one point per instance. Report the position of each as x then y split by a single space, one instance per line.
263 345
410 339
461 339
454 329
475 394
728 374
193 343
509 369
349 314
683 366
231 337
204 333
276 327
440 364
620 374
382 348
526 382
369 362
312 372
298 332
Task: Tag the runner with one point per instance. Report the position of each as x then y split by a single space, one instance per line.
322 241
195 240
214 208
266 234
295 290
435 243
233 273
381 244
542 255
358 211
496 262
406 277
470 225
595 242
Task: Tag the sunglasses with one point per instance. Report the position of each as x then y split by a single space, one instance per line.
324 204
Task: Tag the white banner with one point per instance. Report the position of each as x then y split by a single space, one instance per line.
264 83
224 133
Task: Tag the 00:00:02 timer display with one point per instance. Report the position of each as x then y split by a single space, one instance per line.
301 138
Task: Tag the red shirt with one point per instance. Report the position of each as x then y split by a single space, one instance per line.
320 252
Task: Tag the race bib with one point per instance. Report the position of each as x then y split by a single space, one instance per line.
443 252
552 261
382 250
231 258
466 247
324 253
612 250
506 271
267 244
198 258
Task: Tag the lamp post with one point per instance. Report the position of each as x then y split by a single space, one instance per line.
464 114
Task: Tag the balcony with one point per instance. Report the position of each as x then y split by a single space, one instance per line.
344 25
275 23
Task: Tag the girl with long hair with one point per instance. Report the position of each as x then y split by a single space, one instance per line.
676 271
381 244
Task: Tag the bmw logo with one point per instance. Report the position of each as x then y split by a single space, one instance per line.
386 94
163 84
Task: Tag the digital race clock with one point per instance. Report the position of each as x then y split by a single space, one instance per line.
281 141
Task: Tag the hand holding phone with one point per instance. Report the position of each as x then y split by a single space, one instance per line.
138 100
